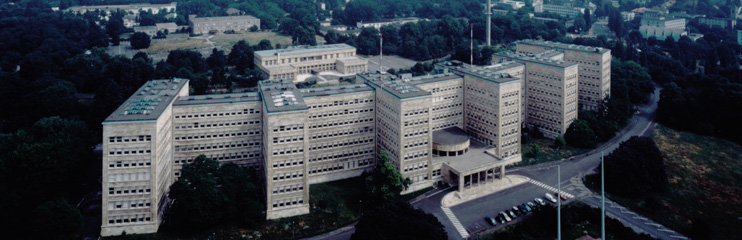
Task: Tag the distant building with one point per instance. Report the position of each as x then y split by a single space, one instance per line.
627 16
566 10
233 11
149 30
130 9
657 24
217 25
159 27
509 4
386 22
718 22
499 12
295 60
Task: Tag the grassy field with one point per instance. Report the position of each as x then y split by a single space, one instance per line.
704 197
167 46
547 152
229 40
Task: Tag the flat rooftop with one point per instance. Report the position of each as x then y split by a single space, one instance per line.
303 49
222 19
281 96
149 101
394 85
327 91
483 72
217 99
425 79
450 136
475 158
564 46
544 58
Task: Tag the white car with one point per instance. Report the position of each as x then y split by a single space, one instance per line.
551 198
540 201
507 218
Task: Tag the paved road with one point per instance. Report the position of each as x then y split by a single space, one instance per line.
544 179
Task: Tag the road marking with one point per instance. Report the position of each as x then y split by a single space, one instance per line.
680 237
666 230
642 218
550 188
455 221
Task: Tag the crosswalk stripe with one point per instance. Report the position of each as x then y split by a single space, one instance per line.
550 188
455 221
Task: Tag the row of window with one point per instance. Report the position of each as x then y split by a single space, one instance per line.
288 202
417 132
446 125
250 132
509 132
510 94
414 112
288 189
287 128
392 119
287 151
224 156
343 143
125 177
418 143
219 114
202 147
290 139
416 122
342 132
341 103
130 204
340 112
419 178
128 190
140 138
288 176
447 115
510 103
129 163
448 88
446 106
484 110
416 166
341 155
416 155
326 169
128 151
113 220
288 163
339 123
482 129
510 143
216 124
474 116
445 97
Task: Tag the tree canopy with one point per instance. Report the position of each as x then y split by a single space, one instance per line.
385 183
140 40
398 220
635 168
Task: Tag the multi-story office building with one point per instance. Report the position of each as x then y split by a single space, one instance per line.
718 22
551 90
460 126
657 24
216 25
290 62
594 67
566 10
131 8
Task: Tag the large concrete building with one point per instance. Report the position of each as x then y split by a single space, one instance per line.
566 10
657 24
460 126
218 25
387 22
129 9
290 62
559 78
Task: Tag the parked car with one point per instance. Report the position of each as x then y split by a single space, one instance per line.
561 196
517 211
500 218
512 214
540 201
532 205
550 198
525 207
490 220
505 215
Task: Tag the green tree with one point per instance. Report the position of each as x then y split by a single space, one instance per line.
140 40
398 220
55 219
385 183
560 142
241 195
635 168
195 195
580 135
241 57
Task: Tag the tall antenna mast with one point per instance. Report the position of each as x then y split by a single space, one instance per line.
489 21
381 54
471 48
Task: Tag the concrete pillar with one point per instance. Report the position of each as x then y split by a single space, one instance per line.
502 172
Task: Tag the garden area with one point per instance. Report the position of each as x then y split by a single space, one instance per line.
702 199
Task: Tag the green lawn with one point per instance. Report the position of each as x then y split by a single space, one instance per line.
705 190
547 152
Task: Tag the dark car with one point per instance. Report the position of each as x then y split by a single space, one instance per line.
490 220
525 207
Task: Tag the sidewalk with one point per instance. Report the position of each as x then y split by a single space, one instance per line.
454 198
